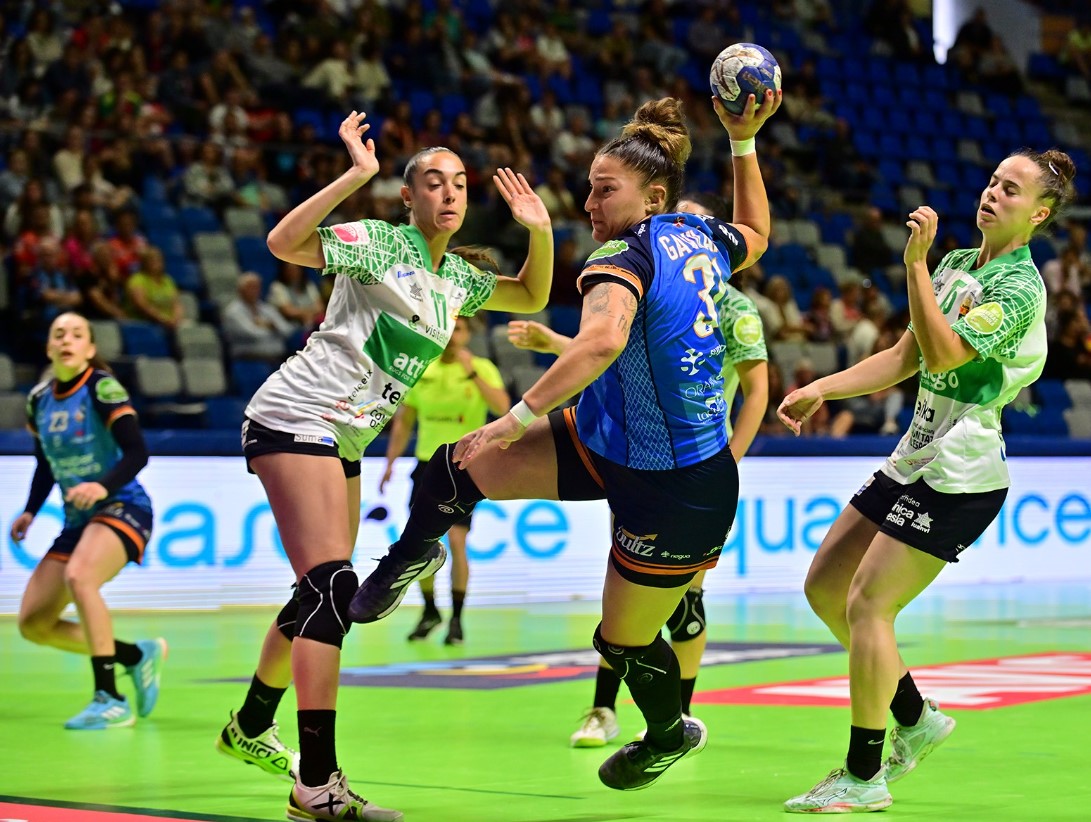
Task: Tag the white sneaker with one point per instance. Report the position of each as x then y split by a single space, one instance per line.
264 750
334 801
841 792
599 727
912 743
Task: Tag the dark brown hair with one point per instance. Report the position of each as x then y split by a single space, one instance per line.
1056 170
477 255
655 144
411 167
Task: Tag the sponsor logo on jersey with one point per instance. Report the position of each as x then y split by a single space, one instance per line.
643 545
747 330
399 350
986 319
416 292
923 523
109 390
313 439
609 250
351 233
690 361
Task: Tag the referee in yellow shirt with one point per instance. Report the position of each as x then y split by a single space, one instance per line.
452 398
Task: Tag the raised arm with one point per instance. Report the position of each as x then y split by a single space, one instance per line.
295 238
751 206
527 292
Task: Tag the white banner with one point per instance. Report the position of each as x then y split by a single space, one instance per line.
215 542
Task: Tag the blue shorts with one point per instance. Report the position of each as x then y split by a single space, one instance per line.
132 524
668 525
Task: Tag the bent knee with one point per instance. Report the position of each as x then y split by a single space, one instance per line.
824 597
34 628
864 605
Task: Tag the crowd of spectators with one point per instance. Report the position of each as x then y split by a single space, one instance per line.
230 106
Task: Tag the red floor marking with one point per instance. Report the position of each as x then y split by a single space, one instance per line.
978 685
40 813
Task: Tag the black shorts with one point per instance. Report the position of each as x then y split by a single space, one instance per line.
668 525
132 524
943 525
258 439
415 478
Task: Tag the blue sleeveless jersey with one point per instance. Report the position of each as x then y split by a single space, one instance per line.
74 429
660 404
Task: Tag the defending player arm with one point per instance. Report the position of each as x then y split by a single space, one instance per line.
42 482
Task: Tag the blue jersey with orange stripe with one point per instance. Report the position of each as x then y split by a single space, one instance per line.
660 404
74 430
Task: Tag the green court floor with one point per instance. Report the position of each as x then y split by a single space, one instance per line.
488 740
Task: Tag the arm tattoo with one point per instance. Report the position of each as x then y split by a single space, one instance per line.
629 305
599 300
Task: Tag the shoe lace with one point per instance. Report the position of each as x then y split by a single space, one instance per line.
902 749
831 777
593 718
342 791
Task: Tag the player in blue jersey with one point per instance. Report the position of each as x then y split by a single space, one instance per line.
87 441
649 432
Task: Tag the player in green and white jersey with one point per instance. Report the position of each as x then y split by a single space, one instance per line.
745 365
393 309
977 336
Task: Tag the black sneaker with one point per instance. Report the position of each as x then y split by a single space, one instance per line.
638 764
428 621
383 590
454 632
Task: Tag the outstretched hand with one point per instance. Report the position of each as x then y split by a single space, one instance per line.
532 336
505 430
796 408
362 153
746 125
526 207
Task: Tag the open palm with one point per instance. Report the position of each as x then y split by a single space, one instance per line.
526 207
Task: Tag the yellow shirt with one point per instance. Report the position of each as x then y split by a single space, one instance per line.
447 404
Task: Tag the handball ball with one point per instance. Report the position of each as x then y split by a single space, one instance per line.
741 70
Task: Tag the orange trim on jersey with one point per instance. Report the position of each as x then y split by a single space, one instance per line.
613 271
57 557
83 381
569 415
125 528
664 570
119 412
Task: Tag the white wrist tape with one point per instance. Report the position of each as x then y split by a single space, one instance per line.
740 148
522 413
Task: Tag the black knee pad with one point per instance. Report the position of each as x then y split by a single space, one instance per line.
286 619
639 666
446 487
688 620
324 593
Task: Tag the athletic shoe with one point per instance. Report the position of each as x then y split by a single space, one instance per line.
146 674
454 632
428 621
334 801
599 727
644 732
639 764
841 792
264 750
383 590
910 744
105 711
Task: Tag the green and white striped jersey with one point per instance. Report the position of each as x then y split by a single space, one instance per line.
955 442
388 317
744 336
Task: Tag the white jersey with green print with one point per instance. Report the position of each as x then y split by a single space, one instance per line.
388 317
955 442
744 336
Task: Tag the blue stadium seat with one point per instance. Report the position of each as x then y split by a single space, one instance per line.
168 241
197 219
248 375
147 339
1052 394
565 319
157 214
185 273
224 413
254 256
154 189
1045 67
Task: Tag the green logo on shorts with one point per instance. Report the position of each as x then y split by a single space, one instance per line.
400 351
609 250
747 330
110 391
986 319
